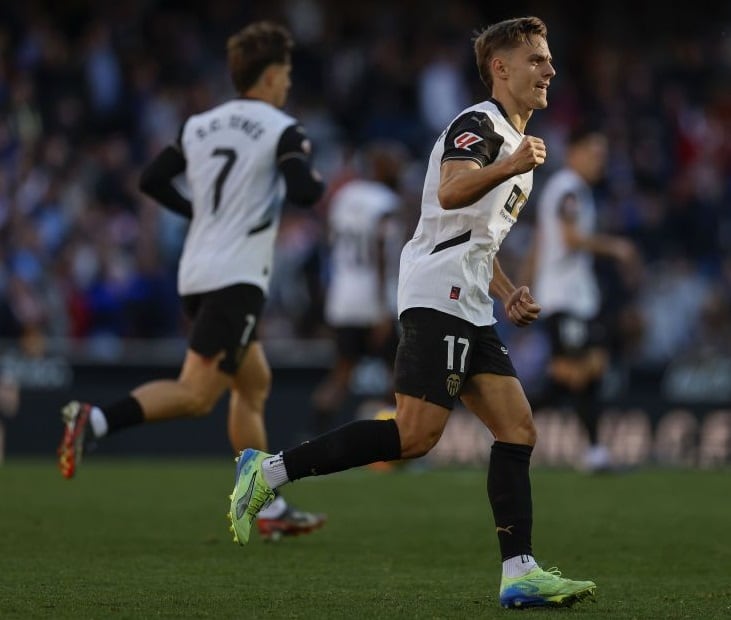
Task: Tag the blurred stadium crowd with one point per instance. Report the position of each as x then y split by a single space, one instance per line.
90 91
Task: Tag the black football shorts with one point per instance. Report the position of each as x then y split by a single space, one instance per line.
224 320
573 336
438 352
355 342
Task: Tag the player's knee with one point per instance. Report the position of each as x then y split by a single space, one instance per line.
255 394
526 431
201 403
518 429
265 385
414 445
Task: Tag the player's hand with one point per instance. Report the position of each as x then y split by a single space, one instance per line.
629 257
531 152
521 308
625 251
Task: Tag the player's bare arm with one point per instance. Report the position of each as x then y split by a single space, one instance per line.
462 182
610 246
520 307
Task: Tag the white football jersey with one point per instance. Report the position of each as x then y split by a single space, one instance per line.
564 278
354 295
237 195
447 265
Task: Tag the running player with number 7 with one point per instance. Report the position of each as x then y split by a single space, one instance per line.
241 160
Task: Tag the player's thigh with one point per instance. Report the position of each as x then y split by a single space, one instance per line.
501 404
204 379
493 391
420 424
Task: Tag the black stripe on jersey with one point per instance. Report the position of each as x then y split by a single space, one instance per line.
472 136
261 227
450 243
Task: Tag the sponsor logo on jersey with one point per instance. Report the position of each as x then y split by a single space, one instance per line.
466 139
453 383
516 201
454 293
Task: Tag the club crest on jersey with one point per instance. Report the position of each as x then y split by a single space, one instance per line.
516 201
454 293
466 139
453 383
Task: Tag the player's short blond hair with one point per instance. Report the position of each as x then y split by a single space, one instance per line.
504 35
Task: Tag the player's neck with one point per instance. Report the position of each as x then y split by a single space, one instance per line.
516 114
259 93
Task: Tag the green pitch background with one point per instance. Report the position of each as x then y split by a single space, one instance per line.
149 539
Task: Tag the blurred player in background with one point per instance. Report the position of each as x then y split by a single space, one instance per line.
366 236
565 283
241 160
9 404
479 177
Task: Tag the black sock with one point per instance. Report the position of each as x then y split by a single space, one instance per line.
587 408
508 489
123 413
355 444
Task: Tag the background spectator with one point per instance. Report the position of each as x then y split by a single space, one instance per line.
89 91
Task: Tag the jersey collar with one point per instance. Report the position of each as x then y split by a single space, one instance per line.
500 107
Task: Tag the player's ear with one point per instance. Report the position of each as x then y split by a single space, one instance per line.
499 68
267 76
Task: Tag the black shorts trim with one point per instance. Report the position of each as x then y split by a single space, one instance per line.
224 320
438 352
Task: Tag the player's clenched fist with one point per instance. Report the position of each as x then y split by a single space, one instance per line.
521 308
531 152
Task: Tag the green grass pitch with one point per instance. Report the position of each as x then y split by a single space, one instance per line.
149 539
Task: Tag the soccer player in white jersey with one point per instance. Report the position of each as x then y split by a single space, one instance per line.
477 182
566 242
241 160
366 236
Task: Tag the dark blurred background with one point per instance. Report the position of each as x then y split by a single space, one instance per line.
90 91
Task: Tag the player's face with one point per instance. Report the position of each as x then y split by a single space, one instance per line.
530 73
281 83
596 151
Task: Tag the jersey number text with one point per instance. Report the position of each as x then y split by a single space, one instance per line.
450 340
230 159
